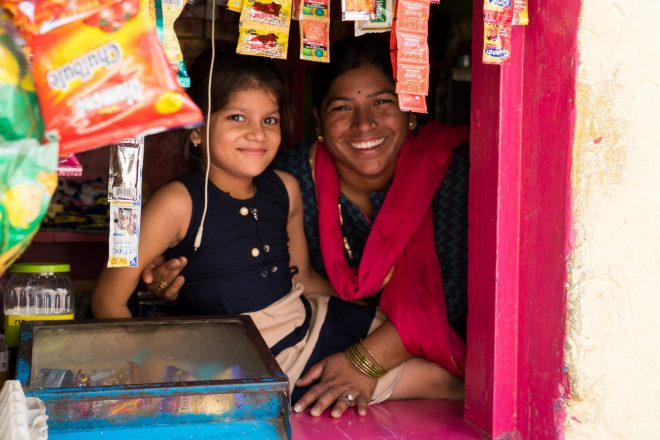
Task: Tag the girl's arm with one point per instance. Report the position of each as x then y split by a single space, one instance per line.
164 223
313 282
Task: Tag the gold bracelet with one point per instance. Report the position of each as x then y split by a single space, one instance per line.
371 355
363 364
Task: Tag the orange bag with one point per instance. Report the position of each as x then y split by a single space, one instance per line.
106 78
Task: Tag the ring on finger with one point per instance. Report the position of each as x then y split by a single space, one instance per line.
349 398
162 285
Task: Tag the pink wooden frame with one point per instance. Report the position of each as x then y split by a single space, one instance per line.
522 126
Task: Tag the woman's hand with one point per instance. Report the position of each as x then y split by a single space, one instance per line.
341 384
162 277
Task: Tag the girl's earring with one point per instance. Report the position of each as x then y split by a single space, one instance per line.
320 138
412 124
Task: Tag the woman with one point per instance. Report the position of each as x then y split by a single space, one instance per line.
369 227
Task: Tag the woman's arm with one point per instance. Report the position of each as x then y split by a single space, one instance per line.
164 222
314 283
338 376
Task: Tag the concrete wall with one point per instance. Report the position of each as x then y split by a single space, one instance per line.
613 337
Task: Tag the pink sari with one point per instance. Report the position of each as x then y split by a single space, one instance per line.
400 255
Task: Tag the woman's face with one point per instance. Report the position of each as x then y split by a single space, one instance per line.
362 124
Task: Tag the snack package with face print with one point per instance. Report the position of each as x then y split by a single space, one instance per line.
315 39
106 78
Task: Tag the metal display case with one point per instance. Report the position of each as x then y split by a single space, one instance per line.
155 378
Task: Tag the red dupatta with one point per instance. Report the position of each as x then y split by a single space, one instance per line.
402 238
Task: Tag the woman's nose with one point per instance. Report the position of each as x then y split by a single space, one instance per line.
363 120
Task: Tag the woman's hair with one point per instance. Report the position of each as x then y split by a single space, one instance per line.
234 73
348 54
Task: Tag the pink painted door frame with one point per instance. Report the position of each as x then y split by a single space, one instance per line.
522 127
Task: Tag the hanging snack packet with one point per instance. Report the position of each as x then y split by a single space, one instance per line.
164 14
263 43
125 197
352 10
125 174
412 103
382 22
28 179
315 39
412 48
267 12
235 5
263 28
411 60
69 165
412 79
413 16
100 80
33 17
498 15
19 109
314 9
124 235
520 13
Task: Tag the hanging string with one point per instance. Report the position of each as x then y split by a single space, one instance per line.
200 231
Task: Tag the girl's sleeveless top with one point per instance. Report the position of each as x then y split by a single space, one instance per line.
242 264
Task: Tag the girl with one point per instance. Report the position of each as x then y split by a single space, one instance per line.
253 236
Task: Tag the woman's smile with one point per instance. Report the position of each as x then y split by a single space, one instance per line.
367 145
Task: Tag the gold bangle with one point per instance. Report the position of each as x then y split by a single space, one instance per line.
364 364
371 355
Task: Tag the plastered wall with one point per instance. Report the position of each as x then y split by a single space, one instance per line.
613 335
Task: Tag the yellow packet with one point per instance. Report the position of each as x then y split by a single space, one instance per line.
266 12
235 5
520 13
263 42
164 13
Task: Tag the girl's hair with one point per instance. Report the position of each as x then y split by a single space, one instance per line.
348 54
234 73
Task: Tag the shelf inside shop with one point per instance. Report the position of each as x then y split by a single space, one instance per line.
70 237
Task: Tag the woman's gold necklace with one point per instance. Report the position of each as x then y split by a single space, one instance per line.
343 237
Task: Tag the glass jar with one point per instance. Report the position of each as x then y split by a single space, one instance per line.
36 292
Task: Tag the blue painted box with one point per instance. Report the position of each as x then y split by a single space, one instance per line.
155 378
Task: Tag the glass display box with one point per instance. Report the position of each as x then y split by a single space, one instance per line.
155 378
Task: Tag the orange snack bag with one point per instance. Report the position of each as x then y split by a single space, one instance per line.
107 78
33 17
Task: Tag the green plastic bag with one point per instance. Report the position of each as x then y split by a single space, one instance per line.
19 109
28 178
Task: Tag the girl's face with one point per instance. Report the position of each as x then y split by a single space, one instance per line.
245 134
362 124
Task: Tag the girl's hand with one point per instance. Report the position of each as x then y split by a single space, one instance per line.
341 384
162 277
